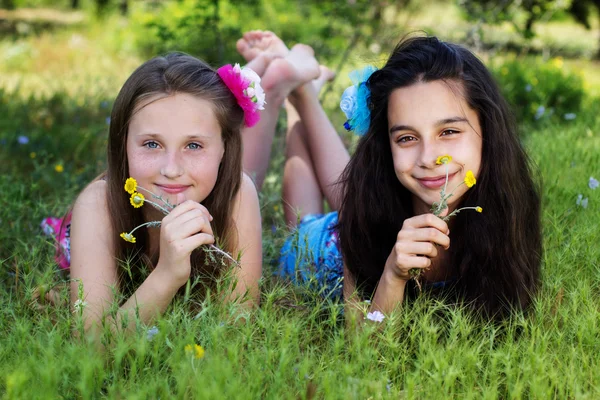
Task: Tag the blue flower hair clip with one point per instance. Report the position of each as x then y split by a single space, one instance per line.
354 102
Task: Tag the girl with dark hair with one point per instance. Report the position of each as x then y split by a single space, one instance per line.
175 144
430 99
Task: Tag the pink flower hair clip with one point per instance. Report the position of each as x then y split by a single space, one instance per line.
244 83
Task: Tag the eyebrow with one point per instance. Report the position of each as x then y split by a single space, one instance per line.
157 136
441 122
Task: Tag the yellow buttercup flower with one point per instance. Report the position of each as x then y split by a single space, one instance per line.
130 185
470 179
128 237
196 349
445 159
137 199
59 168
479 209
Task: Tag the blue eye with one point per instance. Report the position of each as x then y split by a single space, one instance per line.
151 145
194 146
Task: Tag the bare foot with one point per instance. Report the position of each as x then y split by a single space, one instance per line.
260 63
255 42
325 76
285 74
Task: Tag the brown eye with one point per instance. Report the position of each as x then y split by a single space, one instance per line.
449 132
405 139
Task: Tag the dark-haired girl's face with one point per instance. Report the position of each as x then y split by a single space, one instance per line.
427 120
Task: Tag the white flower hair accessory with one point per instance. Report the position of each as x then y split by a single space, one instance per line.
244 83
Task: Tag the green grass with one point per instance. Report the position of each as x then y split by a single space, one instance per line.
295 345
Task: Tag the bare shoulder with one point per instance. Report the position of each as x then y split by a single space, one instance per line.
93 197
247 191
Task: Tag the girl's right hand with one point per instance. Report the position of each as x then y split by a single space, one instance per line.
416 245
184 229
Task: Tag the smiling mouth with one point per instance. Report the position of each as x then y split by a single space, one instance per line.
173 189
435 183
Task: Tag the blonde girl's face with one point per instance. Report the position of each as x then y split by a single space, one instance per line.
174 147
427 120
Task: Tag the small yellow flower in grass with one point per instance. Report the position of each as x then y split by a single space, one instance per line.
32 154
128 237
130 185
445 159
59 168
196 350
470 179
479 209
137 199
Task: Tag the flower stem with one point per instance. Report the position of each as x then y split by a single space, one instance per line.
453 213
154 224
157 206
446 183
223 253
150 224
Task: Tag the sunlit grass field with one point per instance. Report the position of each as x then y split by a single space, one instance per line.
57 92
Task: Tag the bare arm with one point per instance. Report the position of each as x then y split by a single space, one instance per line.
249 243
93 265
414 248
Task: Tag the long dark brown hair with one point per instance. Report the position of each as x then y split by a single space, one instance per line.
495 256
168 75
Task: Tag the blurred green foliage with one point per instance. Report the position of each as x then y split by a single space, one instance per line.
539 90
524 14
210 28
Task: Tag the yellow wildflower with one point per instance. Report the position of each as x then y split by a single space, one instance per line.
479 209
128 237
130 185
445 159
558 62
59 168
32 154
470 179
137 199
196 349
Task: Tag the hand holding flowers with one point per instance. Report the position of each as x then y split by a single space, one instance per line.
438 208
184 228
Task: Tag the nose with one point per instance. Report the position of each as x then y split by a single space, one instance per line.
171 167
430 151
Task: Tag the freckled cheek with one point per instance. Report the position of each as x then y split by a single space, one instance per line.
142 165
204 169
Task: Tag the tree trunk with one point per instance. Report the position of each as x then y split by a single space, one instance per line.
124 7
528 33
219 36
74 4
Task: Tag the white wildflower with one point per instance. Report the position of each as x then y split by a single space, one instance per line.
376 316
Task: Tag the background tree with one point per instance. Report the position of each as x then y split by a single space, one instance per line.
521 14
582 11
